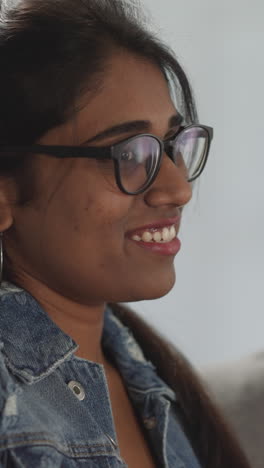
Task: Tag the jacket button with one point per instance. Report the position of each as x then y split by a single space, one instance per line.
77 389
150 423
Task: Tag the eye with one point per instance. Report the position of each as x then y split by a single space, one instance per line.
127 156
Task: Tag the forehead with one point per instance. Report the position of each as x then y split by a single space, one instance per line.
133 89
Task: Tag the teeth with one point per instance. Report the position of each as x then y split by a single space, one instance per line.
172 232
136 238
157 236
167 234
147 237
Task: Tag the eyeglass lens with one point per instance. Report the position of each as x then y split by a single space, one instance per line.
138 161
189 150
140 157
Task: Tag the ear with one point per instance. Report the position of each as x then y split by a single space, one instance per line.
7 198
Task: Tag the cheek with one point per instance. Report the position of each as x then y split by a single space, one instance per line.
100 216
106 170
93 248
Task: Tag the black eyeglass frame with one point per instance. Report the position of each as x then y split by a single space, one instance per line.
111 152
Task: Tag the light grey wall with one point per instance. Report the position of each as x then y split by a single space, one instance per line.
216 309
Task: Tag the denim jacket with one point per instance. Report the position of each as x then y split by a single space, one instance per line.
55 406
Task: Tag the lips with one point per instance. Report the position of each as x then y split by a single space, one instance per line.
157 226
159 237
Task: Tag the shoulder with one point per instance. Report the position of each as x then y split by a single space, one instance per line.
9 394
238 389
10 389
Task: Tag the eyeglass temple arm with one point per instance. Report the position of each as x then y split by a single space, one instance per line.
61 151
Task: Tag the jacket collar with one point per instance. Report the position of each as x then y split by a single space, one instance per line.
32 344
139 374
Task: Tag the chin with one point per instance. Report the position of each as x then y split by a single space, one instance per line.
154 289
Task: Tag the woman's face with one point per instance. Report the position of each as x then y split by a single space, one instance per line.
74 236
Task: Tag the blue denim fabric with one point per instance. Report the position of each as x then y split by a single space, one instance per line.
46 424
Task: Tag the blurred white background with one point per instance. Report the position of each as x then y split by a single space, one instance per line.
216 309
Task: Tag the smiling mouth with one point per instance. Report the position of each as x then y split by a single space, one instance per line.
157 235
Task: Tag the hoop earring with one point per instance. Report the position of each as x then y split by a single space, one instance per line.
1 258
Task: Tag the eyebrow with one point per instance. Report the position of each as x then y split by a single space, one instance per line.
133 126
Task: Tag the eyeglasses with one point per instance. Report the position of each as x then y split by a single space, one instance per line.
137 159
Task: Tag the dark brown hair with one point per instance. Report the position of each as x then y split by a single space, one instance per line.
51 53
54 51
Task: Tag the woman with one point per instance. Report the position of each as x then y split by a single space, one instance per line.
96 167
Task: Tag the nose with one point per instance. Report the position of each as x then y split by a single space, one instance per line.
170 187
